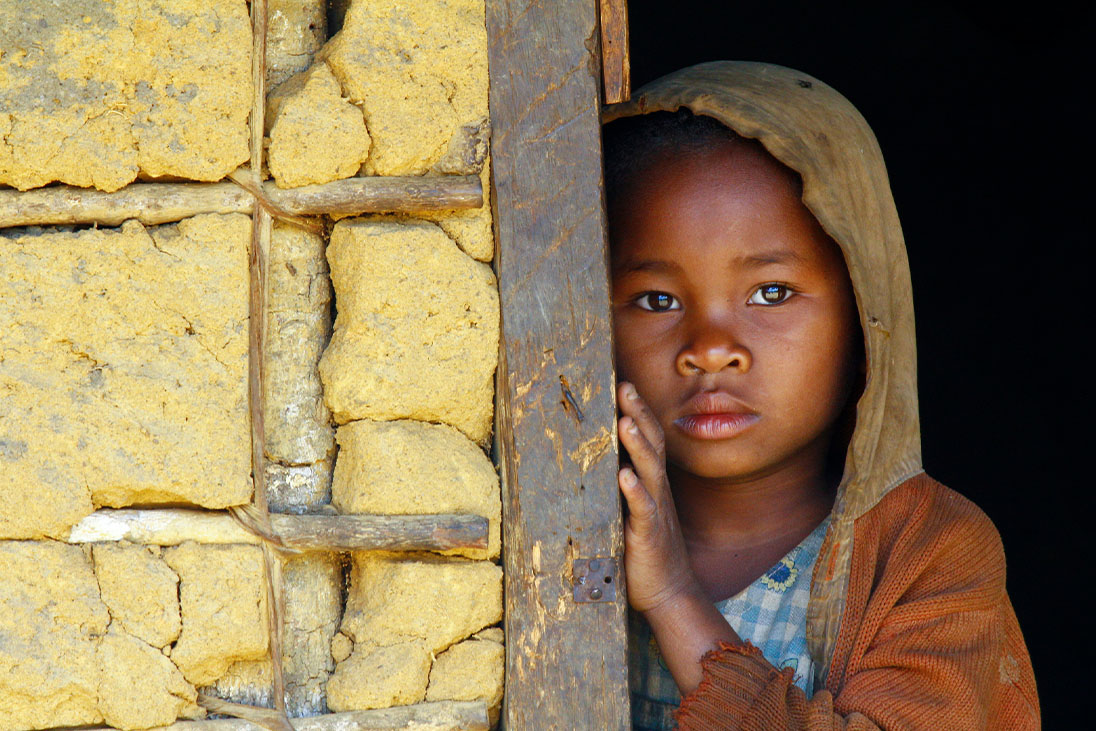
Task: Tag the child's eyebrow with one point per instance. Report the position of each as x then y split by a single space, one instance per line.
656 266
775 256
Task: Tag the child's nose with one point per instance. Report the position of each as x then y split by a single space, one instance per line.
713 352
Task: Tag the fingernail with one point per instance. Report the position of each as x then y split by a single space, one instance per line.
630 427
630 392
628 477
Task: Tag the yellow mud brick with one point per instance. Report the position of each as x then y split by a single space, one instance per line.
124 370
380 677
431 599
94 93
140 591
414 468
317 136
418 70
50 625
416 335
138 686
469 671
223 604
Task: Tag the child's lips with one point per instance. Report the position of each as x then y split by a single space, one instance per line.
716 426
715 415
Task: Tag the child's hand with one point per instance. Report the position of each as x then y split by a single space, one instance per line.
656 562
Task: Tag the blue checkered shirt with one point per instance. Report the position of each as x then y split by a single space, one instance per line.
770 613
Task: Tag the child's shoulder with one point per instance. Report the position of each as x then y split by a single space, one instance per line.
926 526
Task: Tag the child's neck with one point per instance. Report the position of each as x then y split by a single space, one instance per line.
735 530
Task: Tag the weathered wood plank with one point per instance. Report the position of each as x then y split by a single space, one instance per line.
566 661
437 716
616 64
155 203
172 526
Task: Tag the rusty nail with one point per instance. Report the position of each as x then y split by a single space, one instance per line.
595 593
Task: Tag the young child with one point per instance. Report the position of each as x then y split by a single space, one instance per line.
789 563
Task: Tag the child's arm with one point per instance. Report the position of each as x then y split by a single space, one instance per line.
935 642
660 580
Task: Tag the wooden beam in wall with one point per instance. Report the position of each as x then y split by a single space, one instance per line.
556 437
172 526
155 203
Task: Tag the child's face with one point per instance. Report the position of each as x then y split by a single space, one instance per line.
733 315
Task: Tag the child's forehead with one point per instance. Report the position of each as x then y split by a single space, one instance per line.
737 200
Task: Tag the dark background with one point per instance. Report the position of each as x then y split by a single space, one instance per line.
979 114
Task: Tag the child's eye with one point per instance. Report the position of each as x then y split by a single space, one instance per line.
771 294
658 302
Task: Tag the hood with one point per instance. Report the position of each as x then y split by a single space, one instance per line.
815 131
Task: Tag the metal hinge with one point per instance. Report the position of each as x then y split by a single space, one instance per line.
594 579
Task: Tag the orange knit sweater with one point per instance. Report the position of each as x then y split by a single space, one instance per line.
928 638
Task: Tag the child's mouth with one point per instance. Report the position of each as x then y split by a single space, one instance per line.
716 426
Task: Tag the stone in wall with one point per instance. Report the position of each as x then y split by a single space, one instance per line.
419 73
124 370
223 602
140 591
470 671
316 136
416 334
413 468
49 669
94 93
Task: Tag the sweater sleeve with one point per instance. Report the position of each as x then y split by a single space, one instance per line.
928 638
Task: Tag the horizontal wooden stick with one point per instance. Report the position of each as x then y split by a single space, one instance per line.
154 203
172 526
437 716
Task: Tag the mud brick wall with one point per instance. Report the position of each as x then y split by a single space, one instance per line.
408 374
124 362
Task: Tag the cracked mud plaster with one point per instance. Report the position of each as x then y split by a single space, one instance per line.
422 315
124 370
70 663
413 468
471 670
399 612
140 591
418 71
223 607
95 93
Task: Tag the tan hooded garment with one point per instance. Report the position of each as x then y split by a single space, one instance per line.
815 131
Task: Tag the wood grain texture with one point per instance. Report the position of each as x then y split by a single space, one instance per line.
156 203
616 65
556 415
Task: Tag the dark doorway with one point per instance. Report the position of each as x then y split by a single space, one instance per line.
979 115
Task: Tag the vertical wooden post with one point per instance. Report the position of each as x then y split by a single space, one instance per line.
566 659
616 64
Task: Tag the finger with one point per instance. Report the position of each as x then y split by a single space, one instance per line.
648 463
633 405
641 506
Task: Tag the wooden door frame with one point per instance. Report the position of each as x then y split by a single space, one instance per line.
565 601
